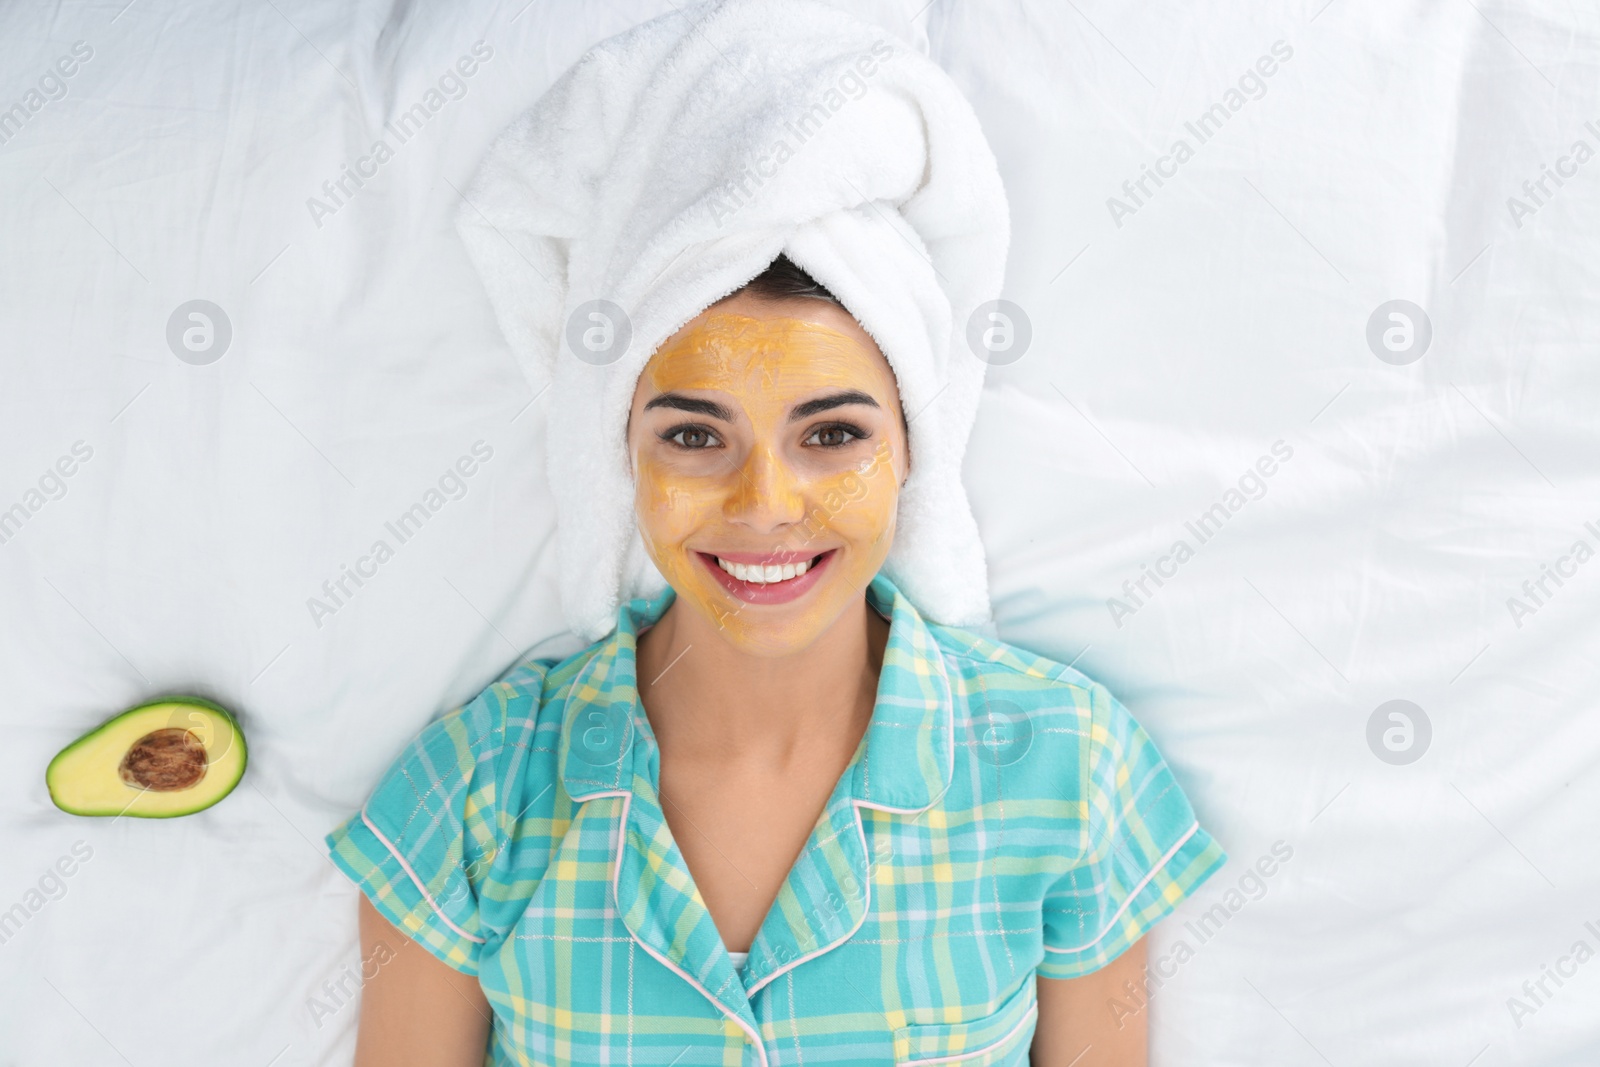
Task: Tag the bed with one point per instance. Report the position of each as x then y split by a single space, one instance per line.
1312 292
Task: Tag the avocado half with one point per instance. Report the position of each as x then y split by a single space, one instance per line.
170 757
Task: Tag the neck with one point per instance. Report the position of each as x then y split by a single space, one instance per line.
709 700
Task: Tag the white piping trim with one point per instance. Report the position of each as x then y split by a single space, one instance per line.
856 804
990 1047
616 874
866 907
1133 894
418 881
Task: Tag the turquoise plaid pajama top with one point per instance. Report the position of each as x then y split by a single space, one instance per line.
1003 817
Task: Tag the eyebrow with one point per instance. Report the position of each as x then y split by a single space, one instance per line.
828 403
679 402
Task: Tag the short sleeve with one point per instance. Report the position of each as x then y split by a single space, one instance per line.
422 846
1144 850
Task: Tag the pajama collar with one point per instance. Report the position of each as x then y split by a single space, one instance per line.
903 765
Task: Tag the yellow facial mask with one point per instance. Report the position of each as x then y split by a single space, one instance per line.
767 455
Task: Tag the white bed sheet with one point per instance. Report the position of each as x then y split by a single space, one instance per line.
1176 339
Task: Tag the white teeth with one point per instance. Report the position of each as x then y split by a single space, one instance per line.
764 574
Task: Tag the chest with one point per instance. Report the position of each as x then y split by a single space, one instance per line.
740 832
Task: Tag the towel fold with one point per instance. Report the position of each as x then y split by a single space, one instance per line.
670 165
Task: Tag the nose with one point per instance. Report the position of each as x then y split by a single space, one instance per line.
768 494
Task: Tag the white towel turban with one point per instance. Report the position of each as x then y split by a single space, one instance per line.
670 165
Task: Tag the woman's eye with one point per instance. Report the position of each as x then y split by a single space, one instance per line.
835 435
691 437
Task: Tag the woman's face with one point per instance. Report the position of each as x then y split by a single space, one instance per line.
768 452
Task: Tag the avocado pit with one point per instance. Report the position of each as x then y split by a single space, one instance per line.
165 761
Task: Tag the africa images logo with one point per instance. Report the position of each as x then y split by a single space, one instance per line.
450 87
1137 191
851 85
1251 485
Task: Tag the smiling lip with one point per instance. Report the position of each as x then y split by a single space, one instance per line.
781 592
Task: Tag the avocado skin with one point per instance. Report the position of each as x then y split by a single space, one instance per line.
221 712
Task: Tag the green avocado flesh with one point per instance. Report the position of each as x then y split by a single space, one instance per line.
171 757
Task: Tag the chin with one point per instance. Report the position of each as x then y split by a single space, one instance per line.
771 642
767 630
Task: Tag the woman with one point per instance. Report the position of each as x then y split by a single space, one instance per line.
933 847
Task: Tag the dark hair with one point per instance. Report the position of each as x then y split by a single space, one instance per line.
784 278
